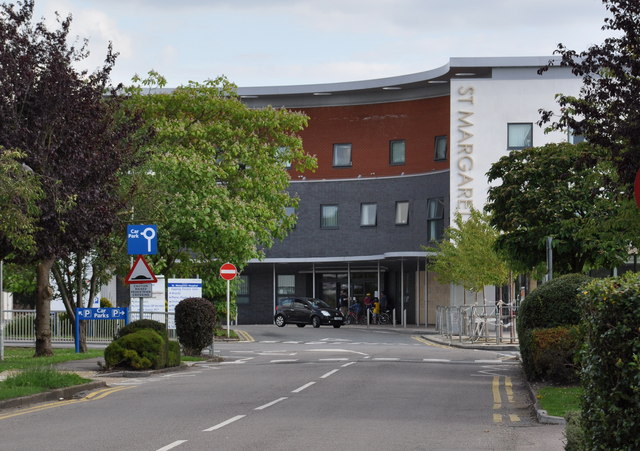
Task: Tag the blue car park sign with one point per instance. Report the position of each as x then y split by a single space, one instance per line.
142 239
99 313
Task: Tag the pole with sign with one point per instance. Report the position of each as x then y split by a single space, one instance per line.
228 272
142 239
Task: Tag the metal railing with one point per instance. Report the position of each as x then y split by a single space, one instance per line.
19 326
488 323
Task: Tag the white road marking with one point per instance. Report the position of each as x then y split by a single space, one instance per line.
348 364
488 361
224 423
283 361
336 350
339 359
299 389
326 375
171 445
270 403
388 359
436 360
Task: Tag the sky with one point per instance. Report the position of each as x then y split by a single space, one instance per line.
298 42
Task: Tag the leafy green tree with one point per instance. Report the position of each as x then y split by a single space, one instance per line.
466 256
607 110
563 191
19 193
216 179
74 140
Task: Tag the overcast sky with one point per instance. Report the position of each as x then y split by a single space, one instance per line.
286 42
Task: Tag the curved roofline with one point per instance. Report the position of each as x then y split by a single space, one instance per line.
348 85
453 69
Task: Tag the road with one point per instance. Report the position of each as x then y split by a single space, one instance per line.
301 388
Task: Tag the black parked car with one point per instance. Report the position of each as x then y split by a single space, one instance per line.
303 311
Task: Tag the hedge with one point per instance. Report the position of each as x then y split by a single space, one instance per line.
554 304
611 363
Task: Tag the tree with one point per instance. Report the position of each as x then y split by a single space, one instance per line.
19 193
74 140
216 179
563 191
607 110
466 256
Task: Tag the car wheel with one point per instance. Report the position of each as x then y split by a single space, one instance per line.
337 326
280 322
315 321
300 325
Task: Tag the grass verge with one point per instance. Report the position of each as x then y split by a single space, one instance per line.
22 358
36 374
37 380
557 401
222 333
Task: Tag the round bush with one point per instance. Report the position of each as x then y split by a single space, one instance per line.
551 305
143 324
139 350
195 321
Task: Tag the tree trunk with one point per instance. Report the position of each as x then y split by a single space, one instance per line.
79 296
43 308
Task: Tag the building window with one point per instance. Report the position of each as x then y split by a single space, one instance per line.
402 213
286 285
242 286
519 136
329 216
368 215
440 148
397 152
341 155
435 219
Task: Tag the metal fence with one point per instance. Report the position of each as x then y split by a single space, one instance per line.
488 323
19 326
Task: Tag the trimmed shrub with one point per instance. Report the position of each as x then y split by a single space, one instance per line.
550 305
554 353
173 353
139 350
195 320
143 324
610 362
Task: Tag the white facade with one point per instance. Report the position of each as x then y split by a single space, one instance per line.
481 108
480 112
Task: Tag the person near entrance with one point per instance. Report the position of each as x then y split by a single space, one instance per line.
384 301
343 302
368 302
376 310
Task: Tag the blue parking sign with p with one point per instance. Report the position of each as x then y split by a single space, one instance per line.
142 239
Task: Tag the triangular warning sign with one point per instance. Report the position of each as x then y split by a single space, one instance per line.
140 272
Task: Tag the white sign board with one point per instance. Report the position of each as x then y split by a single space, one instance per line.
179 289
140 290
157 301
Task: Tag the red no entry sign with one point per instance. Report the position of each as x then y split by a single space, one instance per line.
228 271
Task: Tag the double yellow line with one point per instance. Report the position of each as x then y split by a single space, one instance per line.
497 399
429 343
94 396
